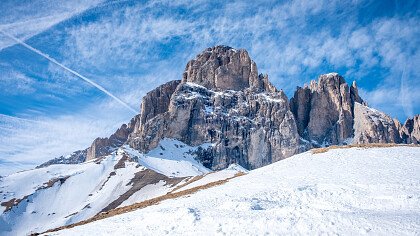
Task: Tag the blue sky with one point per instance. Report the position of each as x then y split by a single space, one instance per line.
130 47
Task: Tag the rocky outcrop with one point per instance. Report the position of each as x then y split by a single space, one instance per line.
235 115
373 126
324 110
157 101
224 68
74 158
410 131
300 105
354 94
105 146
222 100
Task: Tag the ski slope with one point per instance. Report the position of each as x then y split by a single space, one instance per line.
349 191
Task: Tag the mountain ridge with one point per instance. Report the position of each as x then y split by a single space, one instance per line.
323 114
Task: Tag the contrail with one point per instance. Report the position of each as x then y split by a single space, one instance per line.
69 70
405 95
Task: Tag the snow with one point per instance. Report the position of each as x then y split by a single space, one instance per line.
191 84
208 109
90 187
172 158
148 192
87 190
342 191
270 99
229 172
332 74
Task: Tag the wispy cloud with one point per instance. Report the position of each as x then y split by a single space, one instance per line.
132 47
295 40
29 142
75 73
25 19
20 83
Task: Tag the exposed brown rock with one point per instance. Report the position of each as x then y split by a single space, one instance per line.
14 202
146 203
222 100
157 101
324 110
224 68
372 126
248 128
410 132
104 146
141 179
354 94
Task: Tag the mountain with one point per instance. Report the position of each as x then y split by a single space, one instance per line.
221 119
44 198
347 191
222 99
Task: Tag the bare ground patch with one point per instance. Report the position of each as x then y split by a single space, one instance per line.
367 145
141 179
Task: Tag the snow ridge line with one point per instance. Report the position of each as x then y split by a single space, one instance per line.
144 204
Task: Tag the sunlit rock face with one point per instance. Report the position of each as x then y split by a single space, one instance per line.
372 126
324 110
410 131
235 115
223 101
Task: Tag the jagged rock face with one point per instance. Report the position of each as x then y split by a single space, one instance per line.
224 68
221 100
74 158
324 110
372 126
300 105
104 146
354 94
410 132
251 129
157 101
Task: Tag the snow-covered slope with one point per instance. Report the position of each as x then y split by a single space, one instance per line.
57 195
343 191
171 158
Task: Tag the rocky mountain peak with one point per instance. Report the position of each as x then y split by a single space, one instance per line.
224 68
324 111
235 115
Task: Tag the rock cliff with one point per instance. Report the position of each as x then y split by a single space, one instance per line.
373 126
223 101
233 114
324 110
410 131
105 146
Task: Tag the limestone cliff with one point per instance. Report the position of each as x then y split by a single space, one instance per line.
223 102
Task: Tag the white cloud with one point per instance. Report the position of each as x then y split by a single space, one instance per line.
29 142
15 83
133 49
25 19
